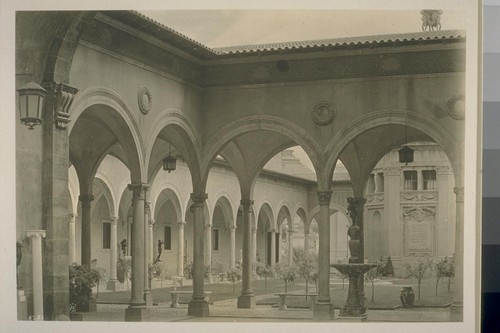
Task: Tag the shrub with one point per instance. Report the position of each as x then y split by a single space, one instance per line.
188 268
305 267
123 269
81 282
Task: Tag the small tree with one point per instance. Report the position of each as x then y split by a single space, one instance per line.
315 278
188 268
418 269
155 271
234 275
371 276
450 271
441 268
99 272
306 267
264 272
287 273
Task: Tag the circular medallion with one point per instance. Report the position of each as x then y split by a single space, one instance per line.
456 107
144 99
323 113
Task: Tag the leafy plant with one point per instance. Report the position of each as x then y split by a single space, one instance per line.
188 268
155 270
234 275
81 281
124 269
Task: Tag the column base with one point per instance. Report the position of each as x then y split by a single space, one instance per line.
352 319
457 312
136 314
198 308
323 311
148 298
112 285
246 301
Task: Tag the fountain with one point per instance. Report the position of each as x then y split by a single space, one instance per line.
354 308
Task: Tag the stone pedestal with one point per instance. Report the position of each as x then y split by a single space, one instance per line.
136 314
22 306
246 301
112 285
198 308
323 311
148 298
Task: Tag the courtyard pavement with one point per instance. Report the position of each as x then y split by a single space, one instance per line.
227 311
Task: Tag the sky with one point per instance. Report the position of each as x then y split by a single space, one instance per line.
219 28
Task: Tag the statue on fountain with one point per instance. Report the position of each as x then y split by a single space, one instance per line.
355 210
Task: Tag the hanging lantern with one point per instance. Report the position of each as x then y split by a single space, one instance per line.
169 162
406 155
31 98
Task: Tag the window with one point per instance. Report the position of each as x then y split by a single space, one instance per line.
410 180
215 239
106 235
429 179
167 238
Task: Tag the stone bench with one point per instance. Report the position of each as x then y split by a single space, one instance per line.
284 296
176 293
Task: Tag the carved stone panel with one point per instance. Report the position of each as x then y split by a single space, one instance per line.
419 231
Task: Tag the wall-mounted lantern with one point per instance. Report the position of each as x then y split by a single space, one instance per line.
31 99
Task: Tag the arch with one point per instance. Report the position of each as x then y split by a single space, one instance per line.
105 186
167 194
284 212
265 123
222 201
267 208
132 142
300 211
392 117
186 142
333 208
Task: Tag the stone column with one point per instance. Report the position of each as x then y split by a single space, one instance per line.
306 242
147 293
72 237
208 244
137 309
420 180
323 309
86 200
199 305
113 280
273 248
180 249
254 246
55 195
247 298
232 262
290 246
456 311
151 252
392 228
36 252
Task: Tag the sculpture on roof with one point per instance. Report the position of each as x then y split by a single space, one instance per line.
431 19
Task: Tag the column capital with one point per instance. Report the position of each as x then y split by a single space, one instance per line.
324 197
139 190
232 227
246 204
254 229
62 96
151 222
147 205
273 231
36 233
114 220
72 216
181 224
199 198
459 192
86 199
208 226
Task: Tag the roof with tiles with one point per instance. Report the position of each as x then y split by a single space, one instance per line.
182 42
346 41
